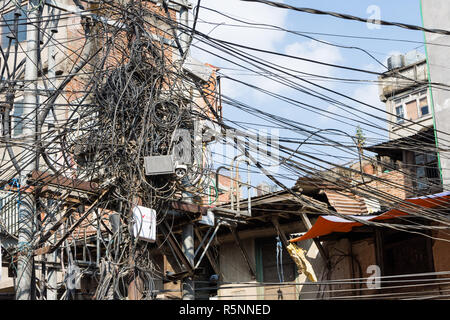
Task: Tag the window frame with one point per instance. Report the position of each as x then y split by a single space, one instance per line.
416 96
400 117
420 97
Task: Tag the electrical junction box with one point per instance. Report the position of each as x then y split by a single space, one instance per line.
144 227
156 165
208 218
159 165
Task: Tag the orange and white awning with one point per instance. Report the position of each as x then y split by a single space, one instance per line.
328 224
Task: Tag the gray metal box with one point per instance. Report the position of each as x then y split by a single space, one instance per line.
156 165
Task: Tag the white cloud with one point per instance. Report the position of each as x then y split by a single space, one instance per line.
367 94
270 40
310 50
370 95
252 12
242 34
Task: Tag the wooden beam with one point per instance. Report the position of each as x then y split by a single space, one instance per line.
268 231
46 178
55 227
280 231
379 248
52 248
176 247
188 207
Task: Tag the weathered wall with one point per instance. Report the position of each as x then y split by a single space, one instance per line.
234 269
309 290
441 258
349 260
397 183
363 252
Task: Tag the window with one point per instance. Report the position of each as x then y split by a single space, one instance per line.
431 157
427 172
420 159
7 22
412 106
399 113
423 103
411 110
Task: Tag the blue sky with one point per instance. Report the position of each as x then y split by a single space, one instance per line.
405 11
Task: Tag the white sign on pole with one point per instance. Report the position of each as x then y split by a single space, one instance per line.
144 223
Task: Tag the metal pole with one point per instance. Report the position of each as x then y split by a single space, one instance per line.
188 230
188 251
27 201
184 37
207 246
52 292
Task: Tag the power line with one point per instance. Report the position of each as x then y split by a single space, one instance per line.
350 17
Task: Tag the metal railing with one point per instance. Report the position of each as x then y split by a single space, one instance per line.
9 212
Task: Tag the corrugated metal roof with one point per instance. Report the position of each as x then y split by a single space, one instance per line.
346 203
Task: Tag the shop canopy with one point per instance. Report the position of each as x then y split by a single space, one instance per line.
328 224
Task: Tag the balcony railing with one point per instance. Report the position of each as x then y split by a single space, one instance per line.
9 212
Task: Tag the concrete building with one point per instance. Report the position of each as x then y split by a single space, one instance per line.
404 90
66 48
435 16
410 119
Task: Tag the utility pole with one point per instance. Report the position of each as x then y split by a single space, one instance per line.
27 201
188 250
184 37
188 230
52 292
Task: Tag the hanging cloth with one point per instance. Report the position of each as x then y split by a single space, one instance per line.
298 255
